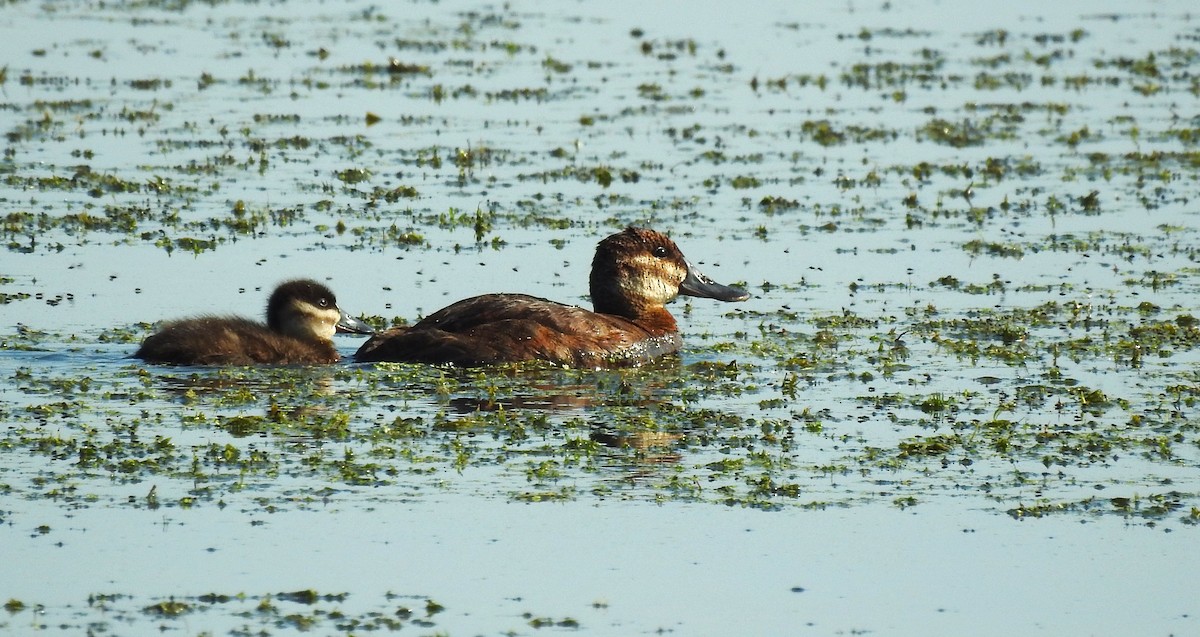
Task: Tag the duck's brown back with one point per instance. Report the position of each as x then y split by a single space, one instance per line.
503 328
230 341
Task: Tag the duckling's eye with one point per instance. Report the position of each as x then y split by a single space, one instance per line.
660 251
323 302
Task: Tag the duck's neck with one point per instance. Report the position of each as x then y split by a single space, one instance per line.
654 319
658 321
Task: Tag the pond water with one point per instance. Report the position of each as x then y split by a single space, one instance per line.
962 398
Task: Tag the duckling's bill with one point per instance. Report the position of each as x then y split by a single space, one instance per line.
697 284
349 325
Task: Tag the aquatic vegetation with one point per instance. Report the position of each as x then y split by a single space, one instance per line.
684 427
973 256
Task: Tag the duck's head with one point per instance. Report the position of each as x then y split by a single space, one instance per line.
639 270
307 310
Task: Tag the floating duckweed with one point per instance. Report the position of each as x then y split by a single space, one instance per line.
967 240
169 608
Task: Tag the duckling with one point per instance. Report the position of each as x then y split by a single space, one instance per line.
302 317
634 274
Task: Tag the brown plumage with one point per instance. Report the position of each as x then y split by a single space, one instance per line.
634 274
302 317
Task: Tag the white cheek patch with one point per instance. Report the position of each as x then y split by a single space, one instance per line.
663 290
653 278
307 321
644 262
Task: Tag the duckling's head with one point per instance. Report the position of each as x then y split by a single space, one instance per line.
307 310
637 270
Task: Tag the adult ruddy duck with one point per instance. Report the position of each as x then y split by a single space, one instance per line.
302 317
634 274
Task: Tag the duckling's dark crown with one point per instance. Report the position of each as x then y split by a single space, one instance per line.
302 290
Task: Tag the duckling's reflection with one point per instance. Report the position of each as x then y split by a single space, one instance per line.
316 380
229 387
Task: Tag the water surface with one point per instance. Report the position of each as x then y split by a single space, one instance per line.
961 399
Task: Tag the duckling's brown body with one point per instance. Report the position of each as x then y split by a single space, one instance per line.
215 340
634 273
302 317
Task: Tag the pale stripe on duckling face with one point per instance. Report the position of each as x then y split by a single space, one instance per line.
306 321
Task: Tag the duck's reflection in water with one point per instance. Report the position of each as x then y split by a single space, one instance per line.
632 414
604 399
652 447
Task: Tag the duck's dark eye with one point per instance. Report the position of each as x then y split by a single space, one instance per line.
323 302
660 251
